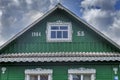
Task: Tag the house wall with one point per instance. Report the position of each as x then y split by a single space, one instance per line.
15 71
90 42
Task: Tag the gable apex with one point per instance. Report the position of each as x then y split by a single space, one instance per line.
60 6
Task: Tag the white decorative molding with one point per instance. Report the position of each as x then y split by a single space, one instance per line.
115 70
59 23
81 71
60 56
38 71
3 70
59 59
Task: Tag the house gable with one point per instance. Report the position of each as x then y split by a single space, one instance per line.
84 39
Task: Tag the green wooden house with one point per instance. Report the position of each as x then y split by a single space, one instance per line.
60 46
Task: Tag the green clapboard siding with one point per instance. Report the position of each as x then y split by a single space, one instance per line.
60 70
91 42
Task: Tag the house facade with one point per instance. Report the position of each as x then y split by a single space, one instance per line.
60 46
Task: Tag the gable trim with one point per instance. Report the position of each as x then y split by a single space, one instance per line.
71 13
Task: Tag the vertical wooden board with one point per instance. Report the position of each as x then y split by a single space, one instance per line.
60 71
92 41
5 75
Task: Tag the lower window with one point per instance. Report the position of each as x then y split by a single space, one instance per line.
38 77
82 77
38 74
81 74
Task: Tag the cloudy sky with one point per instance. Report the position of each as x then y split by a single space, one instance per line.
15 15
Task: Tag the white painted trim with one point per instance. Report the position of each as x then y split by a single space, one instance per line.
59 23
81 76
81 72
38 72
59 59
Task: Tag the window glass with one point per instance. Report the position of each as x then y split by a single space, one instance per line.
33 77
54 28
53 34
76 77
59 32
65 34
86 77
81 77
63 27
44 77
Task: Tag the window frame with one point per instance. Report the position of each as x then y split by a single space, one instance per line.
38 72
59 23
81 72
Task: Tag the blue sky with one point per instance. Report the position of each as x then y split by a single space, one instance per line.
104 15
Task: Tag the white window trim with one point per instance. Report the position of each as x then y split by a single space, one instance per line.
59 23
38 71
81 71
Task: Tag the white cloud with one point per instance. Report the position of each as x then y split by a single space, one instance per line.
103 16
0 22
2 41
32 16
29 1
104 4
98 18
18 14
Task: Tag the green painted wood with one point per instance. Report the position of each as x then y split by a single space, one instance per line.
91 42
60 70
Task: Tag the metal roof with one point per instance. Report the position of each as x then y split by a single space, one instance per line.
60 56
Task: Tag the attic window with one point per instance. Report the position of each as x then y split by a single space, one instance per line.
59 32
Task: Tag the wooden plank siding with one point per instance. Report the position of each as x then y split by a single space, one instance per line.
104 71
91 42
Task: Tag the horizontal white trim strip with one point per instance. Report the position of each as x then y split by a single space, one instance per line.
82 71
61 54
38 71
59 59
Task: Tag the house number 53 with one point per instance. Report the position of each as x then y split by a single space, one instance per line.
80 33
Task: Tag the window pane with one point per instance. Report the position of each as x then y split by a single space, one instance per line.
33 77
87 77
59 34
53 34
43 77
54 28
65 34
63 27
76 77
